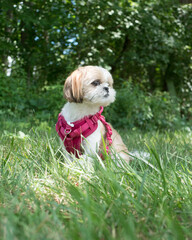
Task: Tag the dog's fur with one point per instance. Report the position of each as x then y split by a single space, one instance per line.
86 89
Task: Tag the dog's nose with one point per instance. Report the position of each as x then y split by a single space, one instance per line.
106 89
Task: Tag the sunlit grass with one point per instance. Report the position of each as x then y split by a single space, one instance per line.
44 197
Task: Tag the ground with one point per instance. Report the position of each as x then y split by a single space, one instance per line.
43 197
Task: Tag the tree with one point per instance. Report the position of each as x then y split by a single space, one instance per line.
148 42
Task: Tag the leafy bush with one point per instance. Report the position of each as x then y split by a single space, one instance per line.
135 108
132 108
13 94
19 101
47 103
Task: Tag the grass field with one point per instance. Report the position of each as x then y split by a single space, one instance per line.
43 197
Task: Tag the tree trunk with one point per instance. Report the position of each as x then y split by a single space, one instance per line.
185 1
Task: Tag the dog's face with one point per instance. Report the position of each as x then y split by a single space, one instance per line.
90 84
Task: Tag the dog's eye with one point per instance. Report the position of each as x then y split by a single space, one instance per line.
96 82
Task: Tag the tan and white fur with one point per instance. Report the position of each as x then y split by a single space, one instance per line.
86 89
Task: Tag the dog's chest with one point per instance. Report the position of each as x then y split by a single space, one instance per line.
93 141
72 113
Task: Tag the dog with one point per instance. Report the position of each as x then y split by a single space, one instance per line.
87 90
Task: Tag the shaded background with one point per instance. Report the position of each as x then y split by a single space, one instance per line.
147 46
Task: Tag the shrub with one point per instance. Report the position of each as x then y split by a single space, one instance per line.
13 94
132 108
135 108
17 100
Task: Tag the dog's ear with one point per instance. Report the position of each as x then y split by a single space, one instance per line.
73 87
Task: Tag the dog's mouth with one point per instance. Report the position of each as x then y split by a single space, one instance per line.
106 95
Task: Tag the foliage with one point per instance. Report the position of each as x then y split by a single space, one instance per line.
135 108
13 94
17 101
146 42
43 197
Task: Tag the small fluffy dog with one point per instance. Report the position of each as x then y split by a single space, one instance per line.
86 90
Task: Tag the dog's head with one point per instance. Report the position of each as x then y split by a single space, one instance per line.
90 84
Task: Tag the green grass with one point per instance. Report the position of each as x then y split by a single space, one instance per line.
43 197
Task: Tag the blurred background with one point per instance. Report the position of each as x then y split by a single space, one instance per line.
146 45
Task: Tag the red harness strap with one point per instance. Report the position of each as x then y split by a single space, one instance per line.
72 137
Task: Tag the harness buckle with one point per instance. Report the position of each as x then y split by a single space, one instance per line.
67 131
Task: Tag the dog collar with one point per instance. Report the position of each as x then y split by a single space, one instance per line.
72 134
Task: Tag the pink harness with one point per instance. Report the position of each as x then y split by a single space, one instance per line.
72 136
